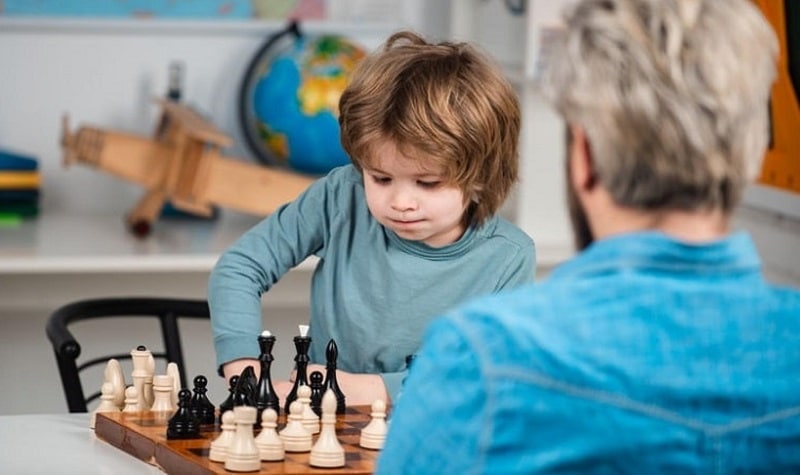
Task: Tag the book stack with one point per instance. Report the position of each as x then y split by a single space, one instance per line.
19 187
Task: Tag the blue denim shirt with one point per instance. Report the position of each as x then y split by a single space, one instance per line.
641 355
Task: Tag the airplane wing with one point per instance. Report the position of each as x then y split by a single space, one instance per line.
251 188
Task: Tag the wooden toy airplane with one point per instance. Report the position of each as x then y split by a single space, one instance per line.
182 164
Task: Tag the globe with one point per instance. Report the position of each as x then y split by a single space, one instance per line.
290 99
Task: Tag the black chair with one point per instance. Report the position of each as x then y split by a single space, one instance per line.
67 349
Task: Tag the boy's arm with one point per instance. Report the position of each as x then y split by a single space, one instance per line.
252 265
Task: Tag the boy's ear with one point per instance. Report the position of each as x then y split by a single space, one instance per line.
581 167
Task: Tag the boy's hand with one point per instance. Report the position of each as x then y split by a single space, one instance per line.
360 389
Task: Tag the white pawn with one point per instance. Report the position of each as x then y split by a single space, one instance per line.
113 374
243 454
150 367
327 452
310 418
269 443
374 434
106 402
219 446
131 400
295 436
162 397
175 372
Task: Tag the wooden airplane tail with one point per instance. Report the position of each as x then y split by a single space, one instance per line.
67 142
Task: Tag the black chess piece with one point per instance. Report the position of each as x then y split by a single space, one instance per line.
331 355
244 394
201 407
265 392
301 344
184 424
227 404
317 389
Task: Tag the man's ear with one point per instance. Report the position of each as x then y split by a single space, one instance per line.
581 163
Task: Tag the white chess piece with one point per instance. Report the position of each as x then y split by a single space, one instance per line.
327 452
162 396
269 443
295 436
219 446
106 402
175 372
243 454
374 434
131 400
139 373
310 418
113 374
150 367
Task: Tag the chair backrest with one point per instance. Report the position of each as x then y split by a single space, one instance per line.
67 349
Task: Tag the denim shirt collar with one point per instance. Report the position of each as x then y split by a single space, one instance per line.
655 250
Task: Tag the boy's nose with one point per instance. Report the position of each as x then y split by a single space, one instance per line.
403 200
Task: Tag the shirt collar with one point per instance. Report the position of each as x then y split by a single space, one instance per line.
655 250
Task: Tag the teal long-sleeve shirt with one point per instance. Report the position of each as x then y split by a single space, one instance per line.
372 291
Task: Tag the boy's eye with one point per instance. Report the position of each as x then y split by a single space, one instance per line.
381 180
429 184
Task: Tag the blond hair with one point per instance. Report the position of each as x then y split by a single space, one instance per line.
445 104
673 96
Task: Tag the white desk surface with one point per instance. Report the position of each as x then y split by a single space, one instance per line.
62 444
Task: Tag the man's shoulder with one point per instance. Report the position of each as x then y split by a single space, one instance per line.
504 310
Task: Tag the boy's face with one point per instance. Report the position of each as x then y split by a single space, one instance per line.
411 200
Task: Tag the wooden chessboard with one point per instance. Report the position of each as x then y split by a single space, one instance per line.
145 437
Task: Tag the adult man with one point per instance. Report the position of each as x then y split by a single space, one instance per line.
660 347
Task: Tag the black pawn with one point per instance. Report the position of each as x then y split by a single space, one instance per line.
301 344
183 425
245 391
317 389
331 355
265 392
201 407
227 404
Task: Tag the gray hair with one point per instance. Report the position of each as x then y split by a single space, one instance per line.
673 96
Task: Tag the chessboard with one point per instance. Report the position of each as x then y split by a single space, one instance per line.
144 436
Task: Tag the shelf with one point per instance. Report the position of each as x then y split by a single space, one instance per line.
230 27
74 243
77 243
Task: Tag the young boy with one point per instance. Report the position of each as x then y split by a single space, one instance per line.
405 232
